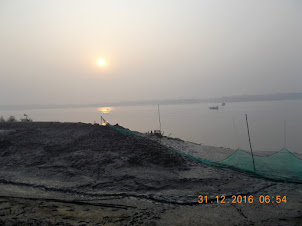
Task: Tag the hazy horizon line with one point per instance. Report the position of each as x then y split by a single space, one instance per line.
235 98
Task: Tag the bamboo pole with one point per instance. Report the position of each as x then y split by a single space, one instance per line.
159 118
284 133
248 132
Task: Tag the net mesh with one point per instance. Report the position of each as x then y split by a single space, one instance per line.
281 166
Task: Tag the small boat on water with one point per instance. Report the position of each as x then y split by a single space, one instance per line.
213 108
223 104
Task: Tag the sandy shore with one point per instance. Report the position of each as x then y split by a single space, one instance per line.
82 174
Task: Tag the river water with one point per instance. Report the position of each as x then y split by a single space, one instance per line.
273 125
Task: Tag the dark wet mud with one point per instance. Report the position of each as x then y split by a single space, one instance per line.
83 174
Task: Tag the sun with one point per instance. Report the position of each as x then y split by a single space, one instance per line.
101 62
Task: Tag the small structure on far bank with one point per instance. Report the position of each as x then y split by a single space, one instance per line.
26 119
158 133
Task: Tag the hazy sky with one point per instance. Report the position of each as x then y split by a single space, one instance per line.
155 49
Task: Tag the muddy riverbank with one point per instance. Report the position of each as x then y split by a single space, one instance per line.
76 173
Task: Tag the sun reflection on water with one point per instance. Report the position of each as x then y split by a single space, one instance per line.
105 110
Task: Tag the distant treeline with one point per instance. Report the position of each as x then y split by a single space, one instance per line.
263 97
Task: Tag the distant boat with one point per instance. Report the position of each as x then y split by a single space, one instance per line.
223 104
214 108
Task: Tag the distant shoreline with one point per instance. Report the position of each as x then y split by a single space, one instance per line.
229 99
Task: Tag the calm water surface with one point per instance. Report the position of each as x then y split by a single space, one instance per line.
273 125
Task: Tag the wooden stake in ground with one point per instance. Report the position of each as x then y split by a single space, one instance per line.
285 134
248 132
159 118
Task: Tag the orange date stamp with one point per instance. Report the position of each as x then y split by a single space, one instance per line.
263 199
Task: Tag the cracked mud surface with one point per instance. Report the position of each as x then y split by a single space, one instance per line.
77 174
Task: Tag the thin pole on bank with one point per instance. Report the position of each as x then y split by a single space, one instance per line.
159 118
284 133
248 132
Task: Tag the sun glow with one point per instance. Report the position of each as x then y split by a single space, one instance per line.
101 62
